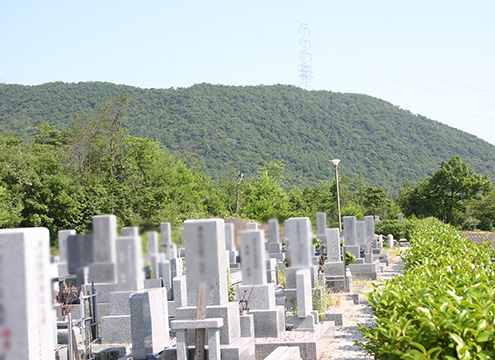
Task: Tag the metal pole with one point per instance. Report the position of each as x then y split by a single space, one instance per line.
338 197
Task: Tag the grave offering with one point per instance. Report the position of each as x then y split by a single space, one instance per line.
256 296
27 319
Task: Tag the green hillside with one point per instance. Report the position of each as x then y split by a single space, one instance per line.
246 127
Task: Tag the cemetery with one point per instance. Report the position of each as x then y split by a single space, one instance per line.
225 293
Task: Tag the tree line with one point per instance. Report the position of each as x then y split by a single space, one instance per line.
60 179
240 127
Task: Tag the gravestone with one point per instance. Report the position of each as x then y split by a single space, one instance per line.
390 241
149 323
204 243
103 269
334 267
170 248
360 234
306 319
26 309
231 249
274 246
129 263
255 293
299 239
334 252
79 252
350 236
299 235
62 251
154 257
321 224
131 231
369 228
251 226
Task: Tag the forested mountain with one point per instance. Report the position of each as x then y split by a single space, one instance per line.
247 127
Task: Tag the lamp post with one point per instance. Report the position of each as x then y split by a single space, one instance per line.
335 163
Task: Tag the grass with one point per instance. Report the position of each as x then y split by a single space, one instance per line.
360 281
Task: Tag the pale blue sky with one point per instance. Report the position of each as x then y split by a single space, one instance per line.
434 58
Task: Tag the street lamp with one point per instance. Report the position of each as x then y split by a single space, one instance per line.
335 163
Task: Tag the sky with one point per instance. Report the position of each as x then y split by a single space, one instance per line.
435 58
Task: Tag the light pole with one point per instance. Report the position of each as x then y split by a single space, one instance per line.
335 163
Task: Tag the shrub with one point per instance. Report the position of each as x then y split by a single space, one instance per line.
442 307
399 229
349 258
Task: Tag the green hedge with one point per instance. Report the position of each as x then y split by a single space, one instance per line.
443 306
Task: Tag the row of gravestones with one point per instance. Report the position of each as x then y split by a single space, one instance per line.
134 309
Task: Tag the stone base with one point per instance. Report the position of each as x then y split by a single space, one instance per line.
242 349
365 271
116 329
334 268
383 258
285 352
104 291
119 302
274 248
258 297
354 250
336 283
104 272
309 349
268 323
308 323
103 310
290 275
231 329
247 326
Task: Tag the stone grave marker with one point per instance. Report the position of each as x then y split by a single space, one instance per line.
26 310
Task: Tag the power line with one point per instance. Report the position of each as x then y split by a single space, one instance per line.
305 56
407 71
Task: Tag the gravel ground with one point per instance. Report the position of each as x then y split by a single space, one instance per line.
343 345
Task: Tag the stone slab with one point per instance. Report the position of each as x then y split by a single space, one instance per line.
26 308
116 329
231 330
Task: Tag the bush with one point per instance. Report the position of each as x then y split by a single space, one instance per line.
442 307
349 258
399 229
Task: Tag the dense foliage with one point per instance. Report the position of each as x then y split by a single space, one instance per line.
454 194
60 179
442 308
246 127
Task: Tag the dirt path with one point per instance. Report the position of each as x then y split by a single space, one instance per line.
343 345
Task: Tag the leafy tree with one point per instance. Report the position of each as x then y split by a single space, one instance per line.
483 210
445 194
265 199
454 184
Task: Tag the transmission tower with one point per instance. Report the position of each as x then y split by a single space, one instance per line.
306 72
